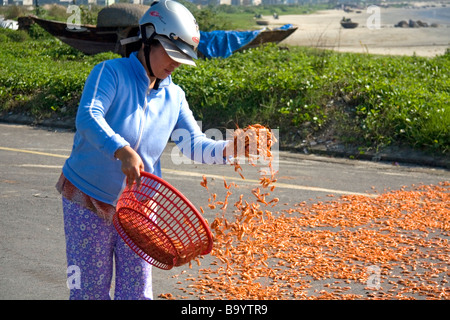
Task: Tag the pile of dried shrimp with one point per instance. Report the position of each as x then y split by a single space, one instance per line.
393 246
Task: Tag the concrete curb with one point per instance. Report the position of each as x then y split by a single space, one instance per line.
405 156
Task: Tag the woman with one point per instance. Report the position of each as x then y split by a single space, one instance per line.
127 113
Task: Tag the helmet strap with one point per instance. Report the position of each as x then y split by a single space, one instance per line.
147 49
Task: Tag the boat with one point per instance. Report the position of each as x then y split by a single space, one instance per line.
107 34
348 23
262 22
270 36
90 39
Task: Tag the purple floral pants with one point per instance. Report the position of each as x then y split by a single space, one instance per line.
93 249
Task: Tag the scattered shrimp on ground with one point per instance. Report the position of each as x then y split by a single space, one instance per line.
393 246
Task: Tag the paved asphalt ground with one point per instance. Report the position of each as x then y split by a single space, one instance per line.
32 245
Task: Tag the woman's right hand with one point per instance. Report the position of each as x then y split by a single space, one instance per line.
132 164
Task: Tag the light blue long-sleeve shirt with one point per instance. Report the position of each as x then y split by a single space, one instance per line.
117 109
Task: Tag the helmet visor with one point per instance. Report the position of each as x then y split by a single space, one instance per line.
174 52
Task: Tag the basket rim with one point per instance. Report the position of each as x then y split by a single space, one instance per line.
189 203
206 241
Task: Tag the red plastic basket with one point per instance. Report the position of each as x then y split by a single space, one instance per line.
160 224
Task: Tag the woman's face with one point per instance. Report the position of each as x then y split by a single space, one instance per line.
162 64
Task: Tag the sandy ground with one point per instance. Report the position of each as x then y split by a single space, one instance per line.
323 30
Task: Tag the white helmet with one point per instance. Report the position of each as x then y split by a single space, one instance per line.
174 26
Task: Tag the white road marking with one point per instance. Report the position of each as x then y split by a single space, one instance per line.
199 175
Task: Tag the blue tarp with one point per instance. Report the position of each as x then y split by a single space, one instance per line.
222 43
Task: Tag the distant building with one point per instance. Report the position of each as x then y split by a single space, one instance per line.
18 2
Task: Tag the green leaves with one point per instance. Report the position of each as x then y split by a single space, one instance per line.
265 85
389 99
372 101
405 100
40 77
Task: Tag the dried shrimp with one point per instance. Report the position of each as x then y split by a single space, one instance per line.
329 250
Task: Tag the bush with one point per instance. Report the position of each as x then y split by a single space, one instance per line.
13 35
43 77
13 12
370 101
400 99
37 32
384 100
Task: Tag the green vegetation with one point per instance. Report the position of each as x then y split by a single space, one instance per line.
364 100
52 12
370 101
41 77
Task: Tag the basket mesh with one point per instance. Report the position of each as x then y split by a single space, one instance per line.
160 224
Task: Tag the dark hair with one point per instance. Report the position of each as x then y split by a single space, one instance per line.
155 43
